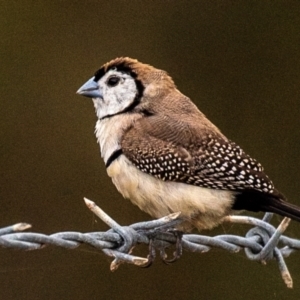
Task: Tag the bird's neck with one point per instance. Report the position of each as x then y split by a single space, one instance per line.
109 132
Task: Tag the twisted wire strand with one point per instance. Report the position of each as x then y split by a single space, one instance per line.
263 242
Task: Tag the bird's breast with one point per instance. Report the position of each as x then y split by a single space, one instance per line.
201 207
109 132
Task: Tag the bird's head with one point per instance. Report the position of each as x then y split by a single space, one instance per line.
124 85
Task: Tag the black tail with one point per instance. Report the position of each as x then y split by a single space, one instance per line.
258 201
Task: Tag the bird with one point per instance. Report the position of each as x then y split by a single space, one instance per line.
163 153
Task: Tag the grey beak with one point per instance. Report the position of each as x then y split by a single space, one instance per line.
90 89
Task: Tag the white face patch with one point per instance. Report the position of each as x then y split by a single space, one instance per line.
116 96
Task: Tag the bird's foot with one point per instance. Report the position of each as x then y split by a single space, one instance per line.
151 255
178 249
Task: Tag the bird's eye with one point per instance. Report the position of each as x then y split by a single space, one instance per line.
113 81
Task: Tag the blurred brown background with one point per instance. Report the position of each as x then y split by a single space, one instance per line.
239 61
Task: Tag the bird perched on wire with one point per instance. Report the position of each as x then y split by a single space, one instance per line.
164 155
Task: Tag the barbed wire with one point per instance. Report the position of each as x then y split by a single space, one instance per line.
261 243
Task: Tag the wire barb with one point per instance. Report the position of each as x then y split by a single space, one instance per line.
262 242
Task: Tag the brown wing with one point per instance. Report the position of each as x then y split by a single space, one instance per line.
184 151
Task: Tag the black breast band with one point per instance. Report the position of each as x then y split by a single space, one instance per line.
112 157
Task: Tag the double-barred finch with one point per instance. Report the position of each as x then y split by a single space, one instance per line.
164 155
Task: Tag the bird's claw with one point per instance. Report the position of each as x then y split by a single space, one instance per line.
178 250
151 255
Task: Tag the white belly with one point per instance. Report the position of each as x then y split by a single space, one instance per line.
202 208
